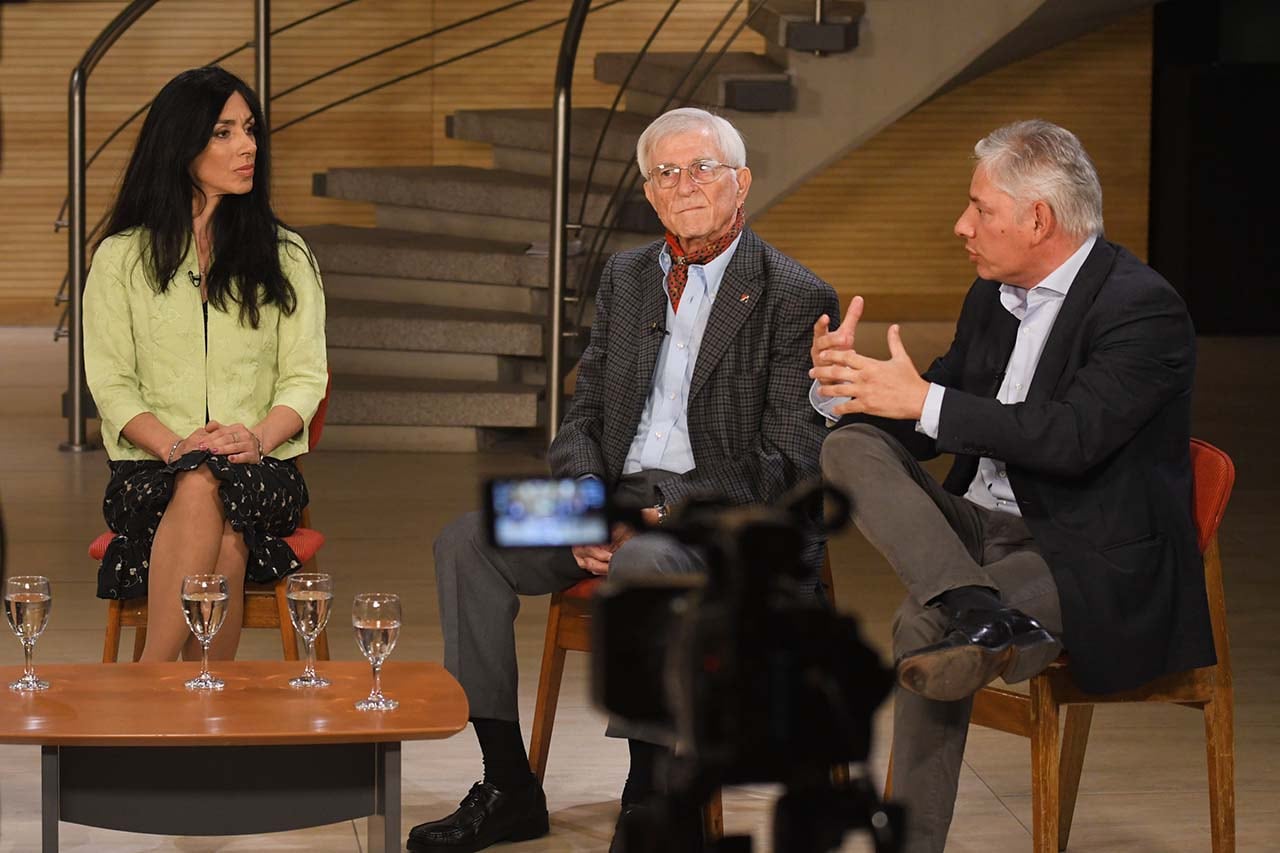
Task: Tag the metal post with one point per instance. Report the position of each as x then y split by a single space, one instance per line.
262 57
558 255
73 405
819 11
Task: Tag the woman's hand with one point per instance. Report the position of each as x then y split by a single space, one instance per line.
235 441
198 440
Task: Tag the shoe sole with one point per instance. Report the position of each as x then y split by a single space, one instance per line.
527 831
949 675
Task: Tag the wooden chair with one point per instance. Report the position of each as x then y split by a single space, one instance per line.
265 605
569 630
1057 760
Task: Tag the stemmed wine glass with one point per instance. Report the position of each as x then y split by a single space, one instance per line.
310 596
27 601
376 618
204 604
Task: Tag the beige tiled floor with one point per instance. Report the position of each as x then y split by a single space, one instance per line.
1143 788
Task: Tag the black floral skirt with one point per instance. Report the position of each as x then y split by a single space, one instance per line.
263 503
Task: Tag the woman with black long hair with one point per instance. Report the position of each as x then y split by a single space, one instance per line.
205 353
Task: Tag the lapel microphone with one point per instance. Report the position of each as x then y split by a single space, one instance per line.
657 328
195 278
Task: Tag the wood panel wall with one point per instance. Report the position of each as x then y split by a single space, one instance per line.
854 223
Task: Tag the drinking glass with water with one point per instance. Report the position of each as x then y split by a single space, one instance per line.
27 602
376 619
204 604
310 597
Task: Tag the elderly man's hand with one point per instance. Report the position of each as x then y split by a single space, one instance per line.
841 340
593 558
891 389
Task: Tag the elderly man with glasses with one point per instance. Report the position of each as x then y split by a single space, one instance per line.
693 385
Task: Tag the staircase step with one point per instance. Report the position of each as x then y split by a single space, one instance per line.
501 194
455 294
388 400
531 129
431 328
790 24
479 367
411 254
740 80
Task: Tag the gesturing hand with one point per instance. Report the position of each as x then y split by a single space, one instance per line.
841 339
891 389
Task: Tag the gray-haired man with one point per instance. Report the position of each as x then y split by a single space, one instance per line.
693 385
1066 518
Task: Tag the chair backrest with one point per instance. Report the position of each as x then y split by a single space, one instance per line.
317 420
1215 474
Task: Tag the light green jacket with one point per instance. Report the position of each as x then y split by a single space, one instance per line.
145 351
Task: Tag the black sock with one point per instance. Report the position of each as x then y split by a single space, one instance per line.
969 598
642 777
506 764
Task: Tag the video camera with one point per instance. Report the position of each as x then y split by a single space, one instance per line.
753 678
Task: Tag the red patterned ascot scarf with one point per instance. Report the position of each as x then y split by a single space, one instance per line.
678 277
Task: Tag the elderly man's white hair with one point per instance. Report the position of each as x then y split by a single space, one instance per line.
1037 160
730 148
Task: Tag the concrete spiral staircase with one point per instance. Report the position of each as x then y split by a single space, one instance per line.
436 314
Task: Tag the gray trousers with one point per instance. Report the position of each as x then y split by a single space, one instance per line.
934 541
480 586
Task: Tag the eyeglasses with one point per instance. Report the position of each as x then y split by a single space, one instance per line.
667 176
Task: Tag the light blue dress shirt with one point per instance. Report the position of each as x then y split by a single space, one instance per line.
662 438
1036 309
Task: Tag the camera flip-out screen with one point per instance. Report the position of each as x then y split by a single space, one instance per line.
530 513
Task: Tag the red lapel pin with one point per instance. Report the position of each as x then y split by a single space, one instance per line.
744 297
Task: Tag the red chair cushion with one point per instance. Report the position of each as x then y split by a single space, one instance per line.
304 541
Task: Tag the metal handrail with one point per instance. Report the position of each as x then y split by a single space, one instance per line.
559 237
75 402
617 99
433 66
78 239
382 51
627 183
60 223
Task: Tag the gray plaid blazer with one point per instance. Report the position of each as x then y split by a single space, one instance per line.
753 431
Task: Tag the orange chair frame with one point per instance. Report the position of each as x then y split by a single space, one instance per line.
1057 759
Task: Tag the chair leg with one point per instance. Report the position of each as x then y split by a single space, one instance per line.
1075 738
544 710
1219 731
1044 767
322 645
139 642
288 637
713 817
888 778
111 640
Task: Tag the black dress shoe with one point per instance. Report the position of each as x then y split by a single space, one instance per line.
485 816
646 828
980 646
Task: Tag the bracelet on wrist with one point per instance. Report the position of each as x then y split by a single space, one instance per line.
258 440
173 448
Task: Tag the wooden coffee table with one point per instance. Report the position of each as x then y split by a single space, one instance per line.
126 746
